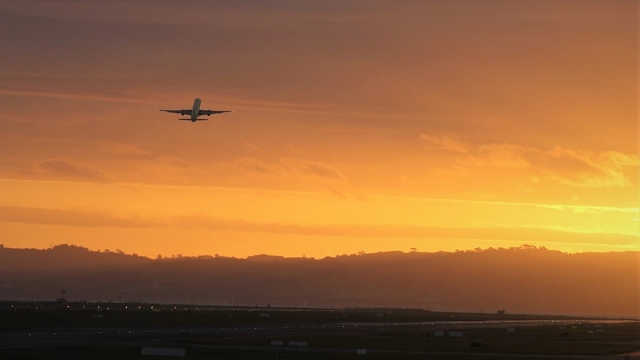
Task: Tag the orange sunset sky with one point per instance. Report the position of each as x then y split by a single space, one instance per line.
356 126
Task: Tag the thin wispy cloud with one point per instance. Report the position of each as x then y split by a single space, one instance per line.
72 170
447 142
70 96
124 149
292 168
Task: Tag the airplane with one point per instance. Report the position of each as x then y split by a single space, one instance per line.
195 111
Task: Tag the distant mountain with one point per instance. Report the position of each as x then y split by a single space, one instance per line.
520 280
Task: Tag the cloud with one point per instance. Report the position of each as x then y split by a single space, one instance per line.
71 169
447 142
41 216
252 146
124 149
256 167
83 218
292 168
621 159
296 150
582 168
567 166
571 167
500 155
73 96
316 169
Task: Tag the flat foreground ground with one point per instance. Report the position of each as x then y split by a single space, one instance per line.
120 331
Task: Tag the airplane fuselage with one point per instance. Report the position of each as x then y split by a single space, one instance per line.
195 110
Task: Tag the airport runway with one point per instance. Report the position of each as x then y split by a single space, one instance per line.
213 330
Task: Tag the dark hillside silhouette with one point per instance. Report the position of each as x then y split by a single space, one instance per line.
521 280
63 257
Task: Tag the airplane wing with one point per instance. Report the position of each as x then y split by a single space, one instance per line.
181 112
212 112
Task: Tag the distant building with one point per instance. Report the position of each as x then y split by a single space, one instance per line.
276 343
438 333
511 330
455 334
361 351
